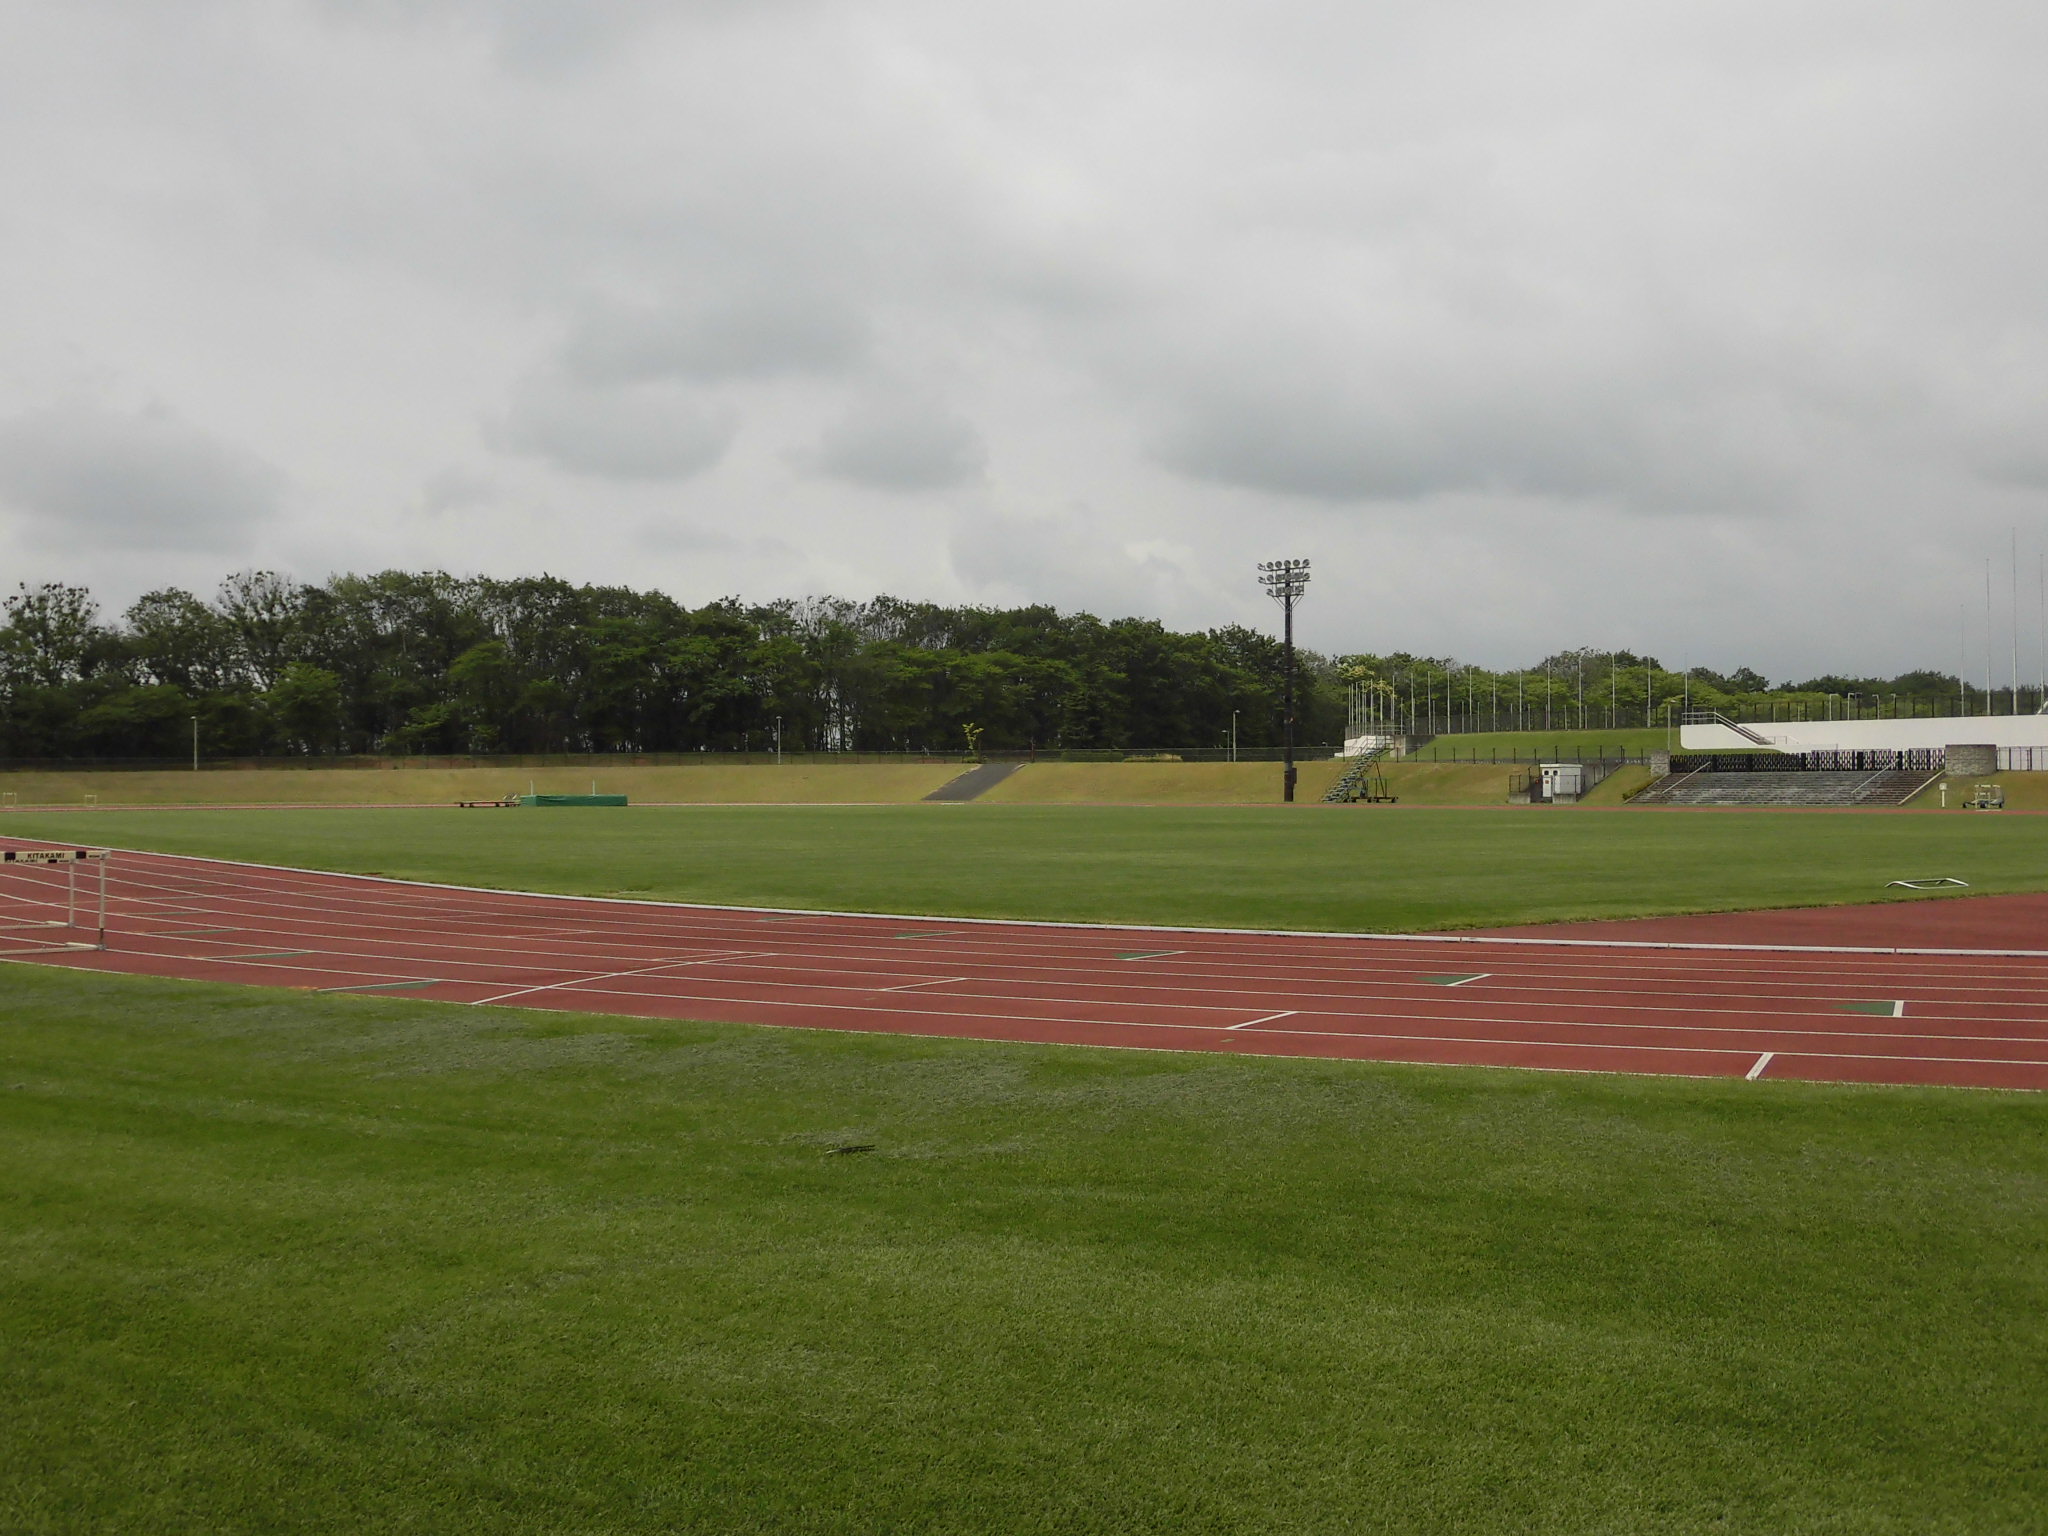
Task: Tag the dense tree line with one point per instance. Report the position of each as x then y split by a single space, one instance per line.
403 663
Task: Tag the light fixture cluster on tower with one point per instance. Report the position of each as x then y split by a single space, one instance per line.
1285 581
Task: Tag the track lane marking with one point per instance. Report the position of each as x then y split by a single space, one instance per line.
1285 1013
1762 1061
1029 922
382 986
506 918
586 979
340 960
503 913
1437 1040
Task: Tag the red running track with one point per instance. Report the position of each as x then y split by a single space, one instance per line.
1977 1020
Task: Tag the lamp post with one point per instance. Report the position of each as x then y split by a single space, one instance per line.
1233 735
778 739
1286 581
195 743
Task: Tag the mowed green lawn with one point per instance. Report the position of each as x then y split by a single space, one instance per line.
277 1263
1306 867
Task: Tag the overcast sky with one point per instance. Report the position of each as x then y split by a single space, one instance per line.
1715 329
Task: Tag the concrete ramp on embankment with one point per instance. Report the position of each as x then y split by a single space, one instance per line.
974 783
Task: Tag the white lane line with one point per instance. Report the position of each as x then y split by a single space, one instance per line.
1285 1013
1762 1061
1467 981
301 895
1898 1008
1039 922
1331 1034
586 979
935 981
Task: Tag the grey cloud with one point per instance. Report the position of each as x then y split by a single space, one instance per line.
1650 455
738 336
80 475
643 432
900 445
1010 554
1240 277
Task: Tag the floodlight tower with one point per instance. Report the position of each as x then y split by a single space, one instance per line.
1286 582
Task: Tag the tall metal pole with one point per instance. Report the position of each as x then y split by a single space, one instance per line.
1287 741
1285 581
195 743
2015 621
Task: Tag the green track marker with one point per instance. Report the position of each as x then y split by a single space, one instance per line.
1895 1009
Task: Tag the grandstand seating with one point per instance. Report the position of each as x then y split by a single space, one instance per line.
1881 787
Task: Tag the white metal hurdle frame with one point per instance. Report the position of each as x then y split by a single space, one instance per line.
70 858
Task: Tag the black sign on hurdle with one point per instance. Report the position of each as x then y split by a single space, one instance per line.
70 858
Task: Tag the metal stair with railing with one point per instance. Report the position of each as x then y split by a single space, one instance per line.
1351 786
1715 717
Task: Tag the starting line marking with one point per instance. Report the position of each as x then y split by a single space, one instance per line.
1150 954
1894 1008
935 981
1762 1061
1456 979
1285 1013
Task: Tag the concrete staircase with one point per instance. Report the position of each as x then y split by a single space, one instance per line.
1882 787
975 782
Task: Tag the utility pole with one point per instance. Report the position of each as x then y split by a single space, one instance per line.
1286 581
1233 735
195 743
778 739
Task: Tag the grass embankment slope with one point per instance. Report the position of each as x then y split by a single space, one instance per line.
1420 782
279 1263
1561 745
1160 783
1323 867
711 784
1413 781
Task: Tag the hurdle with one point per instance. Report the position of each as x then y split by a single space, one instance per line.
38 894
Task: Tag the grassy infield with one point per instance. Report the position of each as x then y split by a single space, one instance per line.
274 1263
